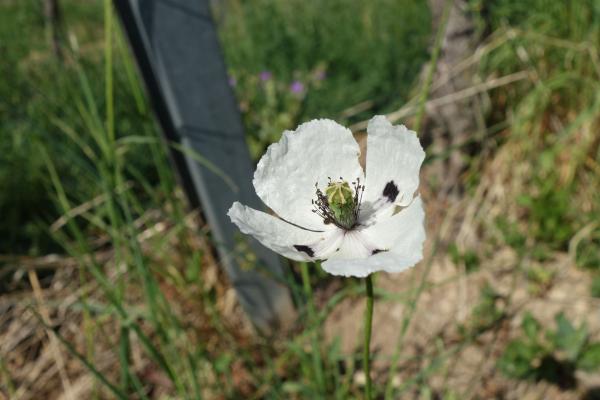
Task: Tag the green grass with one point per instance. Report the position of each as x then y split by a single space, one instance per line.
79 131
344 54
46 101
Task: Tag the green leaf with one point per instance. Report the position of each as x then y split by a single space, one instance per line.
595 287
223 362
292 387
530 326
518 360
567 338
590 357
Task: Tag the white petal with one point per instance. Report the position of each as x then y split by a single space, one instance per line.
388 261
286 239
394 157
371 213
388 232
402 235
350 258
286 175
353 246
332 242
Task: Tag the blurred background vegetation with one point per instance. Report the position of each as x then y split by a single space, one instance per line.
97 242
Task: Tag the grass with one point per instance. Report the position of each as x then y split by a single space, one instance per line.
137 299
352 61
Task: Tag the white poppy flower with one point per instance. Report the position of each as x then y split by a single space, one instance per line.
313 181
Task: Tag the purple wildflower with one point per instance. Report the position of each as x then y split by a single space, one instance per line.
265 76
297 87
232 81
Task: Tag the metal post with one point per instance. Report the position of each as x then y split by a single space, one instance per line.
177 50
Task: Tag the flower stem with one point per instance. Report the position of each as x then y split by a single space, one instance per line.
367 344
313 324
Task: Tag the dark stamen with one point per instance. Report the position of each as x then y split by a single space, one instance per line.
358 193
322 209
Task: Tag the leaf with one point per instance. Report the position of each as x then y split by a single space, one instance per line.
292 387
595 288
223 362
518 360
590 357
567 338
530 326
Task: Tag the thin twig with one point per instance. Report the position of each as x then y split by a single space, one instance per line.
430 105
85 207
60 362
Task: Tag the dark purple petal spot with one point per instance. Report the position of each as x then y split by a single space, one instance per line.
376 251
305 249
391 191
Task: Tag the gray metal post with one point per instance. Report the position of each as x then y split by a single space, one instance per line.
176 47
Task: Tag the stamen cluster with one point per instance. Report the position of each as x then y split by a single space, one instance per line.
339 210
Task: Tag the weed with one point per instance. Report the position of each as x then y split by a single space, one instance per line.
468 258
552 355
486 314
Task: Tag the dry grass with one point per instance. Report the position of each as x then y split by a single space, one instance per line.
35 365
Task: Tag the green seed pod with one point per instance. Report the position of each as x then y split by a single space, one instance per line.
342 203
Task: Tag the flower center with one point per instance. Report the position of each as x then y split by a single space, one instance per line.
340 204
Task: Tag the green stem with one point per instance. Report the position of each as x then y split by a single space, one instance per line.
367 344
110 113
313 324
